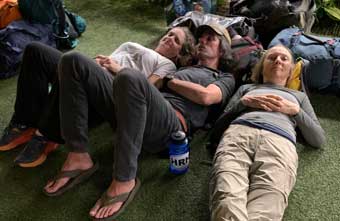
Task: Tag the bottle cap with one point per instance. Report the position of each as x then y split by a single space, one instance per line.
178 137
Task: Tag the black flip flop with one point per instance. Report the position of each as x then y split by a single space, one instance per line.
76 177
126 198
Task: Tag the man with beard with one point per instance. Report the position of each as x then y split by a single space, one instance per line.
146 117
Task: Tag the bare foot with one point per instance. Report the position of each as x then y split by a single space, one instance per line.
74 161
116 188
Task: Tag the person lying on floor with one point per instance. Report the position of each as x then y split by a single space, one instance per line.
255 164
144 116
36 117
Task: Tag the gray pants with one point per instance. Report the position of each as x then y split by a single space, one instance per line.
136 110
253 173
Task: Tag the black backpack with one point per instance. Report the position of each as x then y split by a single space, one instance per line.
67 26
274 15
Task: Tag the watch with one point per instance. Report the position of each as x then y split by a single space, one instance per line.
166 80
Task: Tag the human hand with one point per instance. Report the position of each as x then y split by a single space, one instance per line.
101 59
108 64
271 102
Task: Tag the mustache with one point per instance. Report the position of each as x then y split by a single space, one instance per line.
200 47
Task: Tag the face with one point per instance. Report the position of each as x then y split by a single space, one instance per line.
171 43
277 66
208 45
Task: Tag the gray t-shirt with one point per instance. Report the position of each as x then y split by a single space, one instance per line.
276 122
136 56
196 114
306 120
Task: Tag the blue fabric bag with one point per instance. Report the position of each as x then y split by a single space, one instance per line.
322 52
13 40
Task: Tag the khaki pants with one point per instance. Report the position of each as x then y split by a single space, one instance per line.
254 171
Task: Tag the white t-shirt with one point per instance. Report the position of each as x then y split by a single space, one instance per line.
136 56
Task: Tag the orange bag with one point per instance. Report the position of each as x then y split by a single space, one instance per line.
9 11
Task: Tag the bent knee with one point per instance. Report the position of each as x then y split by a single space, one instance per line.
69 61
129 77
35 46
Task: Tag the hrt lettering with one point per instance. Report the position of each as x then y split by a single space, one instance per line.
183 162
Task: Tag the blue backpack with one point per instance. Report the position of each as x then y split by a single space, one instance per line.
67 26
13 40
323 74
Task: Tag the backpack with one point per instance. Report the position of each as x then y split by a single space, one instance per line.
323 54
66 26
13 40
274 15
9 12
246 53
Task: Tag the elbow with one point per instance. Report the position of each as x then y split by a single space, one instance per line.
206 100
318 141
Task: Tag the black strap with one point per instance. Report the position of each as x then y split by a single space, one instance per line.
59 7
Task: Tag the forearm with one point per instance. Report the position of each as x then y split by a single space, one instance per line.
194 92
310 129
309 125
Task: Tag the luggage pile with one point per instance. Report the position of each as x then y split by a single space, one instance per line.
24 21
265 23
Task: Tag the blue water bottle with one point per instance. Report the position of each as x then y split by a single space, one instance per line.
179 153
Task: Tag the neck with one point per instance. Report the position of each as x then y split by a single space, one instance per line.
165 55
279 83
210 63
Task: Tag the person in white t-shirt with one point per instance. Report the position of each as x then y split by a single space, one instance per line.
154 64
36 119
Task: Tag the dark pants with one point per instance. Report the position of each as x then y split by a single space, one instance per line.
35 106
136 110
144 118
85 90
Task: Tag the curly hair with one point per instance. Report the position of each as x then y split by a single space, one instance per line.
188 50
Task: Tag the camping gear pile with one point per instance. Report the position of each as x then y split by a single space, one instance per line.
24 21
265 23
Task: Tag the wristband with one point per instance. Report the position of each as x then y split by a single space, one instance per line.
166 80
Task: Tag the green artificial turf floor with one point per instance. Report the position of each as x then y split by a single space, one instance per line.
163 196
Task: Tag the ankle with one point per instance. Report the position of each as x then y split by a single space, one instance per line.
78 161
118 187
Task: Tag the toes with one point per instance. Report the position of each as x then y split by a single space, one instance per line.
101 212
110 211
49 184
104 212
95 208
56 185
